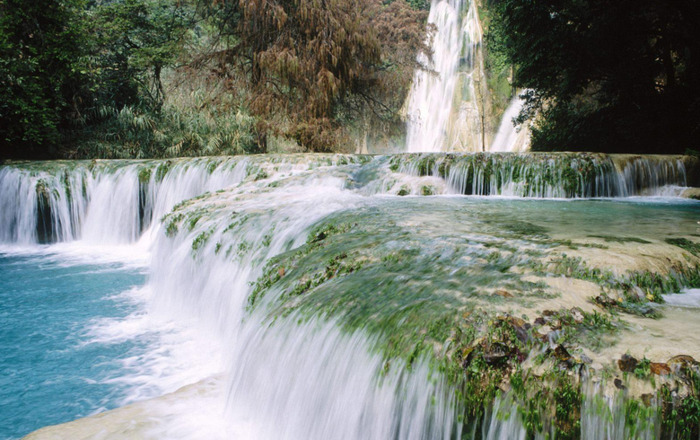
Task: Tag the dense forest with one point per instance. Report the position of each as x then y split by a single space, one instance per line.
620 76
154 78
145 78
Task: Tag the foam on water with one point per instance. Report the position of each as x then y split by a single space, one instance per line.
248 372
687 298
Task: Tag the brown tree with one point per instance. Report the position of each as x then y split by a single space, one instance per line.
314 67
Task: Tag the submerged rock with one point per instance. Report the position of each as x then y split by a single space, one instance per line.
681 361
627 363
660 369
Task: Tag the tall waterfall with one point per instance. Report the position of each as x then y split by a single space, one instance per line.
435 116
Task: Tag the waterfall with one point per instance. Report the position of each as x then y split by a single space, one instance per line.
115 202
214 225
118 202
559 175
205 268
509 138
457 41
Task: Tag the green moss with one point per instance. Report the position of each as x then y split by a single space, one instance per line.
643 369
267 240
427 190
163 169
685 244
172 223
201 240
326 230
567 398
145 175
614 239
523 228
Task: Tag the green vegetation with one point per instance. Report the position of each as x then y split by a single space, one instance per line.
164 78
602 76
615 239
685 244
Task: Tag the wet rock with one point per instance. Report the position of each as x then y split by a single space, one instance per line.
540 321
549 313
562 354
496 354
618 384
605 301
517 322
577 315
627 363
467 356
647 399
660 369
503 293
586 360
681 361
521 328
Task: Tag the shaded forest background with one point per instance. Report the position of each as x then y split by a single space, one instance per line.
156 78
612 76
153 78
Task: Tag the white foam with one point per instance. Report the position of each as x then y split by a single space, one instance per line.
688 298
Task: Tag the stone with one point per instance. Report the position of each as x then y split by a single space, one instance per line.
681 361
618 384
496 354
605 301
627 363
503 293
659 368
521 327
586 360
577 315
561 353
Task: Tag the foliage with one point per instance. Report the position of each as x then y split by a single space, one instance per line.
153 78
41 73
134 40
314 65
602 76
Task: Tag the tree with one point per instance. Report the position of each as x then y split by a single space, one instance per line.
605 76
134 40
312 64
41 74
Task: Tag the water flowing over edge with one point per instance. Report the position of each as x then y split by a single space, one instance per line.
437 118
123 202
551 175
49 203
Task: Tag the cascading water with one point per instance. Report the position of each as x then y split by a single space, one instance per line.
456 47
561 175
449 102
510 138
236 253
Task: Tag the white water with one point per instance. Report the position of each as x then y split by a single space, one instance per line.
687 298
511 138
284 378
281 379
431 99
552 175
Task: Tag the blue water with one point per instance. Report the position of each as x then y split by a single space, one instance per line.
50 372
